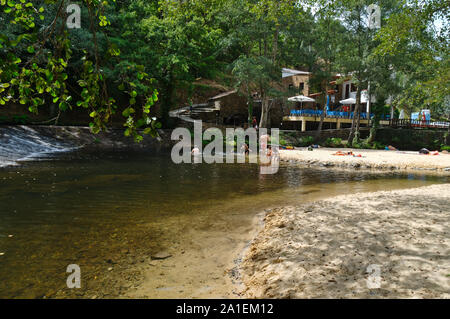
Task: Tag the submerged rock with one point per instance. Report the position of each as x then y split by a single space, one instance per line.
161 255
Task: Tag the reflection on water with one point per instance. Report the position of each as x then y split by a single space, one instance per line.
101 211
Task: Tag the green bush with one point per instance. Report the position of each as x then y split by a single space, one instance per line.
333 142
306 141
378 146
327 142
359 145
445 148
364 145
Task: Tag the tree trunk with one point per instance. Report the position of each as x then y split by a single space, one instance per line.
358 115
250 110
264 110
354 131
373 130
275 45
249 106
448 133
322 116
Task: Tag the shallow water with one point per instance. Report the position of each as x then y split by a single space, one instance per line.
110 213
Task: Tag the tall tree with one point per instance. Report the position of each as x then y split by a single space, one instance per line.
354 58
181 42
258 30
42 64
328 43
416 38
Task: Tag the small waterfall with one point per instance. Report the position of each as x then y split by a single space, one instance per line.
22 143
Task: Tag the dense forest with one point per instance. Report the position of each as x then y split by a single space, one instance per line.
131 57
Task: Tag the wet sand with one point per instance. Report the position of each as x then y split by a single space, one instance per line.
206 256
196 270
323 249
371 159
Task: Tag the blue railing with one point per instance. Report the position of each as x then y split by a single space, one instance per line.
336 114
364 115
306 112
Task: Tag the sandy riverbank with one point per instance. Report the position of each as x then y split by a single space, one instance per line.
323 249
370 159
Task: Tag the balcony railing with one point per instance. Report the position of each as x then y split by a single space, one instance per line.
408 123
418 124
333 114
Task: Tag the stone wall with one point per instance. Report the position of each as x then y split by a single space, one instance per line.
404 139
293 136
230 105
234 105
412 139
295 82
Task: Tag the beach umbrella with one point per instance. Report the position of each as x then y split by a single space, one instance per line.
301 99
348 101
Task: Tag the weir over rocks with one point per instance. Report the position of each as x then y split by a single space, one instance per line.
21 143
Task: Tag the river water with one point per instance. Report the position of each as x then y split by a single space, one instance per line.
108 213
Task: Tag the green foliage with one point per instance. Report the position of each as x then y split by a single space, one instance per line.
306 141
418 55
333 142
283 142
42 64
254 40
132 54
378 146
365 145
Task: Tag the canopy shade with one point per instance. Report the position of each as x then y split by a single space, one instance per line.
348 101
301 98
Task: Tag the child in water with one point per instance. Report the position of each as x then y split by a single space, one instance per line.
245 149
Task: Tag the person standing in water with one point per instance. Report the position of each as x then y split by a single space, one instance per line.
263 139
195 151
244 149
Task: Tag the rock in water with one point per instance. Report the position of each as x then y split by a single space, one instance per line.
161 255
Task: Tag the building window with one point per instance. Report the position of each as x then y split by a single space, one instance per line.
302 86
291 86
